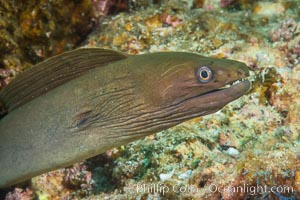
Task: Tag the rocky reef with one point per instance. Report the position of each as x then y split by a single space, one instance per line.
35 30
248 150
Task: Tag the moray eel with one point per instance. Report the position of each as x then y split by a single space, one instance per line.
81 103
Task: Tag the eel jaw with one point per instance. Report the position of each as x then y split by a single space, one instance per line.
233 84
236 88
214 100
228 93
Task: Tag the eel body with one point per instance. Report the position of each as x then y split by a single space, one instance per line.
81 103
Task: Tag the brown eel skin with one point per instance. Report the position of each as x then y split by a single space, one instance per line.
81 103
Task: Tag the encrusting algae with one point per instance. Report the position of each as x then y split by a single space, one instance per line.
254 141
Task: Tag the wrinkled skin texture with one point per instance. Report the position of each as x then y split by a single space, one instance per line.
109 106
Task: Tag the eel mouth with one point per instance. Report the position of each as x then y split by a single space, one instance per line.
230 91
242 84
214 100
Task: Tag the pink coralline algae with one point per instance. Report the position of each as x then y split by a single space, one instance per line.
78 177
19 193
225 3
6 76
171 20
105 7
285 32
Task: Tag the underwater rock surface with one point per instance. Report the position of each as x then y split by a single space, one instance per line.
34 30
253 141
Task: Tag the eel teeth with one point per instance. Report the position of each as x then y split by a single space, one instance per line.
232 83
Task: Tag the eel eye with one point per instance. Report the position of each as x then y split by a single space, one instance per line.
204 74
